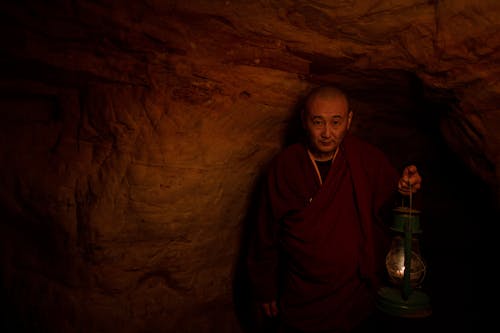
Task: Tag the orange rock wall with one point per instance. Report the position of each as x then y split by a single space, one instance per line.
133 137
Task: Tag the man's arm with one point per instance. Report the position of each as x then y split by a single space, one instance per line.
263 255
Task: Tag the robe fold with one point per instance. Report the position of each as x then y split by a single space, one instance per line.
319 248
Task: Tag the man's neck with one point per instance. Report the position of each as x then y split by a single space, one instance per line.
323 157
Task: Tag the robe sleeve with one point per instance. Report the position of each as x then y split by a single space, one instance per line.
375 182
263 250
385 194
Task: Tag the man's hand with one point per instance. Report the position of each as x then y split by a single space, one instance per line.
270 309
410 179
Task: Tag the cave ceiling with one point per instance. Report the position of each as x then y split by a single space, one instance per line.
201 47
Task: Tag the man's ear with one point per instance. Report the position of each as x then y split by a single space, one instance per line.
349 119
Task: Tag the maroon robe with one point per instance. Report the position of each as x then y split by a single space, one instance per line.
320 248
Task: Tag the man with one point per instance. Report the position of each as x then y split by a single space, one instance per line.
317 258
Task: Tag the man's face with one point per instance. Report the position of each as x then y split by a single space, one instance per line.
326 122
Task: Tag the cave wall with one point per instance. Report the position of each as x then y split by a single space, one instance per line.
133 137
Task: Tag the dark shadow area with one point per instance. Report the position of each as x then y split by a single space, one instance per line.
18 311
10 321
458 209
247 311
294 131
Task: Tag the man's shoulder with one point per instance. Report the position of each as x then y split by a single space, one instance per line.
290 153
294 149
366 152
356 143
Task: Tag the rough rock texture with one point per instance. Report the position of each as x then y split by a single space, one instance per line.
132 138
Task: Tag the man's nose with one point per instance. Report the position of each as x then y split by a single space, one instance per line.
327 131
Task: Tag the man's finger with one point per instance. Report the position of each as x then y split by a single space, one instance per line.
270 309
410 170
274 309
267 309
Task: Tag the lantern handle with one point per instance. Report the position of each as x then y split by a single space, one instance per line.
407 252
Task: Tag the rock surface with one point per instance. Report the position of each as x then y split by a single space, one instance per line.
133 137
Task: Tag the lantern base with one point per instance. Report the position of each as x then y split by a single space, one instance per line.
390 301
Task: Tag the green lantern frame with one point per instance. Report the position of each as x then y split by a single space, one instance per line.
406 301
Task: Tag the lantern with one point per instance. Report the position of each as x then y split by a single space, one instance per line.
406 269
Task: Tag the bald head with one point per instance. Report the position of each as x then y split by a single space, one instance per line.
325 93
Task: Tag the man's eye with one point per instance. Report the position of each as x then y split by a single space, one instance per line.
317 122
